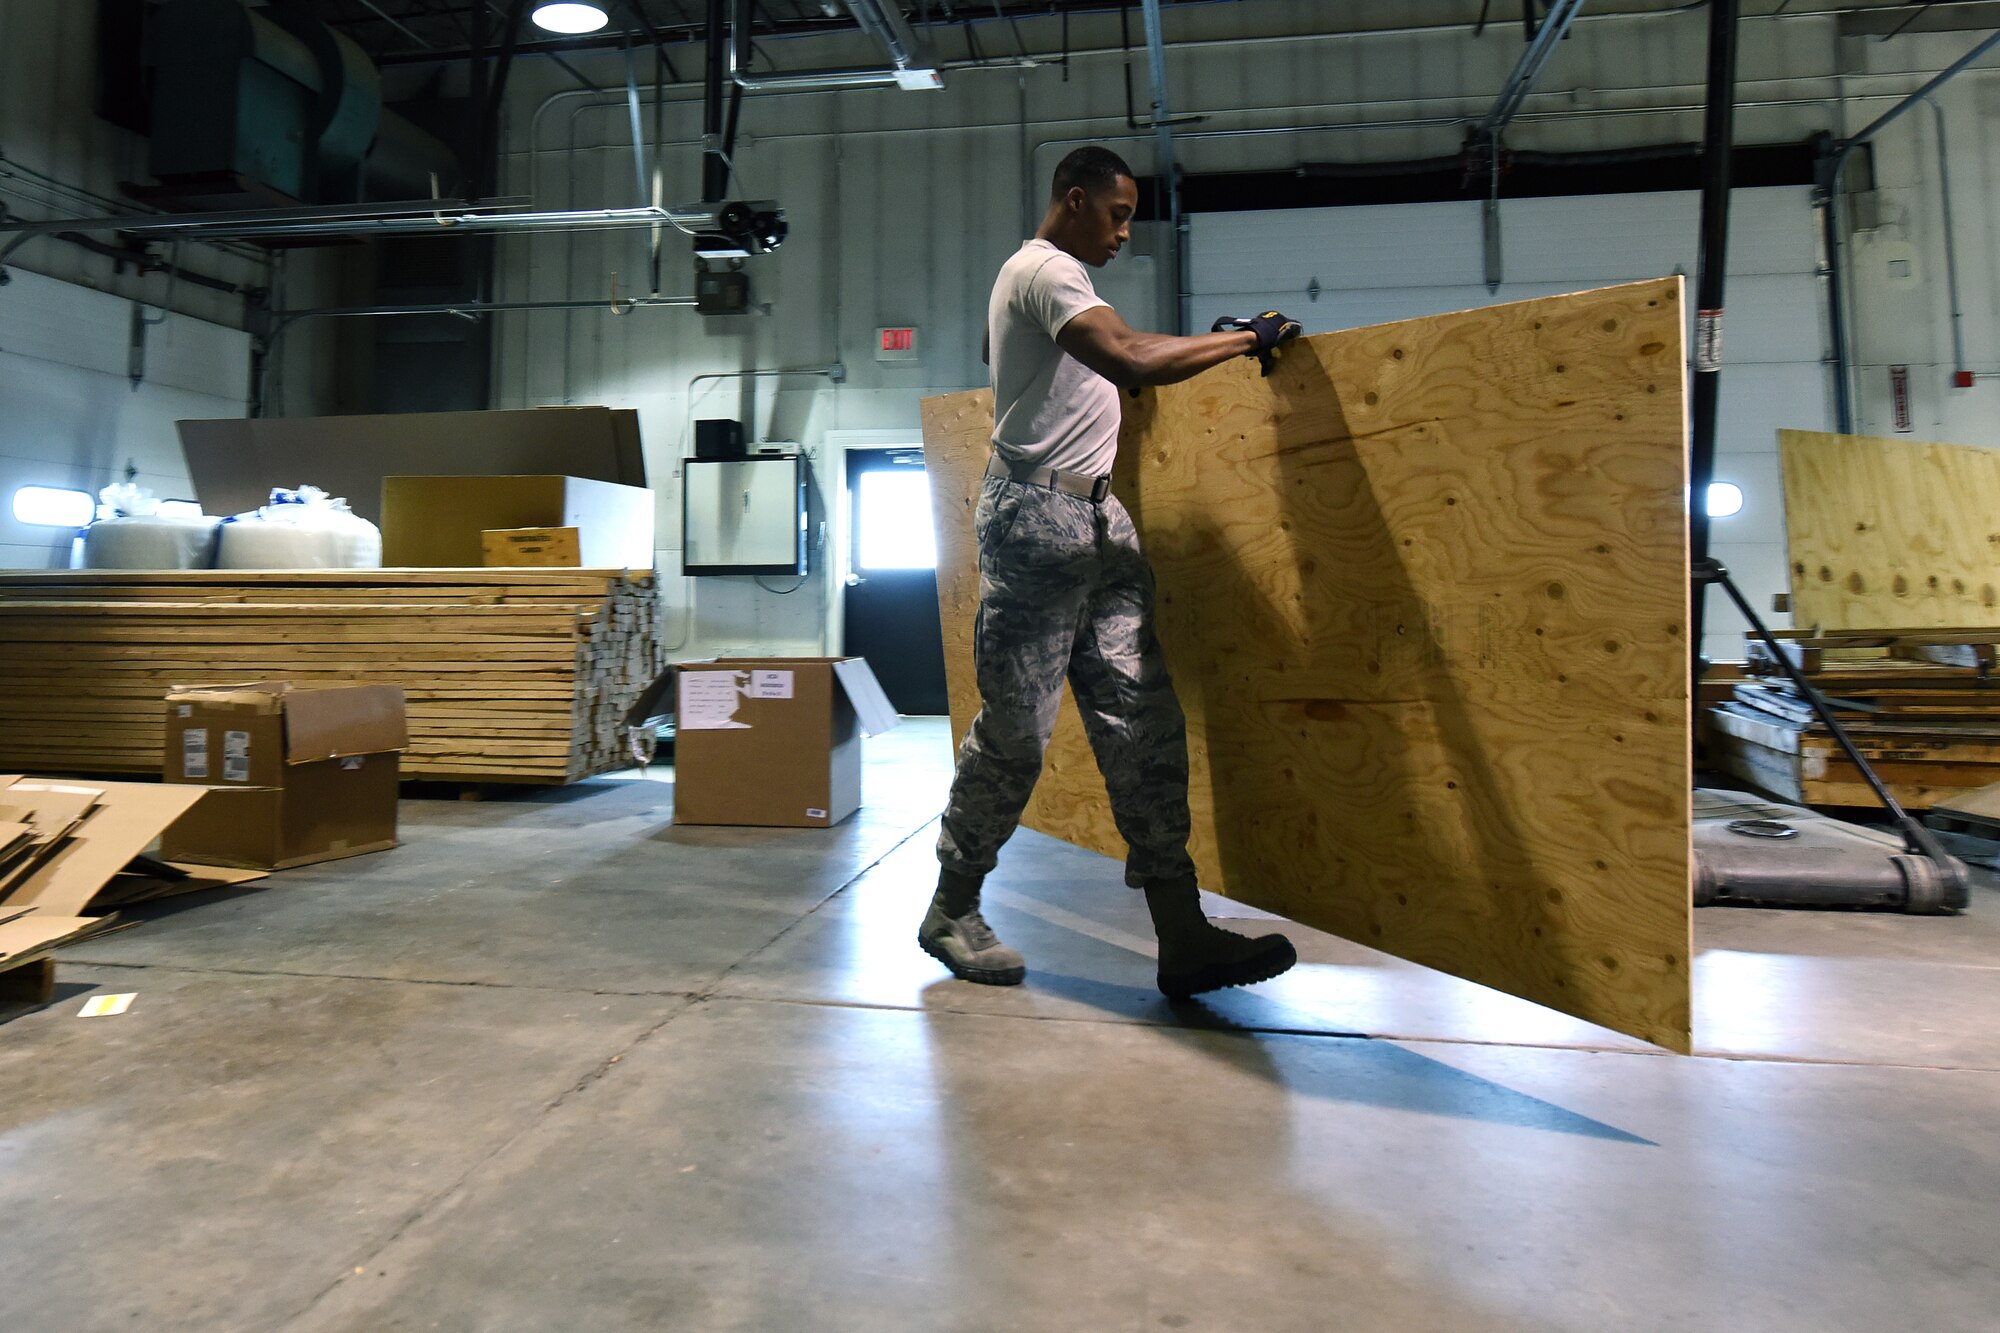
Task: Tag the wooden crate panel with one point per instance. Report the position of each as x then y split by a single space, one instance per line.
1424 594
1891 534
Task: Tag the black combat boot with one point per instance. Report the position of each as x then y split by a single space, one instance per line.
1197 956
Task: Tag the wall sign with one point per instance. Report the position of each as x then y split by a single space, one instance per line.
1899 393
897 345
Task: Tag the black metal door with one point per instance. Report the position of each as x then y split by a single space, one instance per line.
892 598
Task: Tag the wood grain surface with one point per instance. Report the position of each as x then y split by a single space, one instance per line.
1891 534
1424 594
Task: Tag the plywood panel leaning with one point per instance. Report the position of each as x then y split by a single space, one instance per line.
1424 593
1891 534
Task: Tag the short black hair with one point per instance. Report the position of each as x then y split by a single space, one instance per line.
1092 169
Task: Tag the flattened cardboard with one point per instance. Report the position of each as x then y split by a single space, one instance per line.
789 753
128 817
441 522
125 890
38 932
236 461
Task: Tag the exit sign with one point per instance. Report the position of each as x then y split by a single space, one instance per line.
896 345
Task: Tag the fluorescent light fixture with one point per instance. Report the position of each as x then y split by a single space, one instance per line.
179 509
1725 499
53 507
569 18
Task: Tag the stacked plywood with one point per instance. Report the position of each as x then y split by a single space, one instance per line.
1921 706
1894 548
1424 595
511 675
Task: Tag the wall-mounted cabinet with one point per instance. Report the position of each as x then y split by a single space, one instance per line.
744 516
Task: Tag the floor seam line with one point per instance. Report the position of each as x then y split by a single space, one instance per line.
443 1196
792 925
689 994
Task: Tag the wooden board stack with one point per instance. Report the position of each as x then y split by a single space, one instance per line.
1921 706
512 675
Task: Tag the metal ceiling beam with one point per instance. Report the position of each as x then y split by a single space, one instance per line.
1163 136
1541 48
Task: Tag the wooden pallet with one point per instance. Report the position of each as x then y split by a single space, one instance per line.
511 675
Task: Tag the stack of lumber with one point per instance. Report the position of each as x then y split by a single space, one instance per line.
512 675
1922 707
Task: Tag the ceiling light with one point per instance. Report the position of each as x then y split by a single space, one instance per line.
569 18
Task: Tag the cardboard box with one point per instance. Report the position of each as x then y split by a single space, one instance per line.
441 522
773 741
533 548
236 461
293 775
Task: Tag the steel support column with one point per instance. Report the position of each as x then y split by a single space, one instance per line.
1169 174
1718 147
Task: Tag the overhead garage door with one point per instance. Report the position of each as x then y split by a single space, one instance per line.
1376 264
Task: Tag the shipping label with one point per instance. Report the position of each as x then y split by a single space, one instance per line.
770 685
194 752
235 756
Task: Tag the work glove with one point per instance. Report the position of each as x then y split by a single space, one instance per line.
1273 331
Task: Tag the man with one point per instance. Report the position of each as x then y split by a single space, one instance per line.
1064 591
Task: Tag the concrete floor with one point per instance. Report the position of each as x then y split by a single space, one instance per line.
558 1065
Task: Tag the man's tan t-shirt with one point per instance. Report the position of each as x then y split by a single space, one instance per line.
1049 409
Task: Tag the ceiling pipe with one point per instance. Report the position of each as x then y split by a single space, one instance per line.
1542 45
1167 174
894 34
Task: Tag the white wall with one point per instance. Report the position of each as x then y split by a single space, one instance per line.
903 204
72 416
59 160
1373 265
1900 307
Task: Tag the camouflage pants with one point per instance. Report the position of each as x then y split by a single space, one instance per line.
1066 593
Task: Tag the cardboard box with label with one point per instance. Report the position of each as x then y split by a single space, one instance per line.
294 775
442 522
533 548
773 741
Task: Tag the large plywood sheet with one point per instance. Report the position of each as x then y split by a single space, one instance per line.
1891 534
1424 594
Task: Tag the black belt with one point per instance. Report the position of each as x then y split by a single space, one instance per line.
1093 489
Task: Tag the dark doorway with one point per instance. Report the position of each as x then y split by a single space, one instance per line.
892 596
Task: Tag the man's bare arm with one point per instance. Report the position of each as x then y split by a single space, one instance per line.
1129 358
